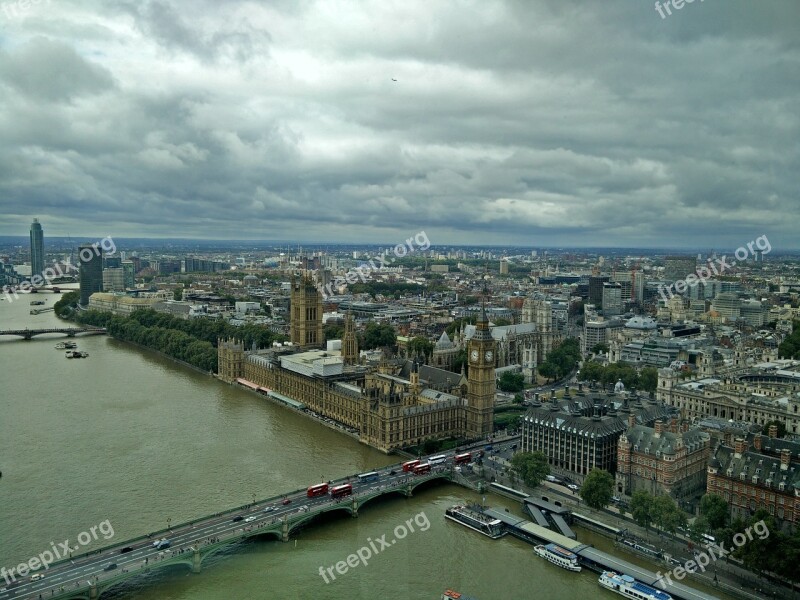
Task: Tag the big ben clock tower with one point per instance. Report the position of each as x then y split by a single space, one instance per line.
481 380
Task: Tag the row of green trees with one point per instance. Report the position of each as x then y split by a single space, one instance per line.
562 360
396 290
646 379
193 341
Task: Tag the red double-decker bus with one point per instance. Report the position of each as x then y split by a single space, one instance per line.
338 491
317 490
409 465
422 468
462 458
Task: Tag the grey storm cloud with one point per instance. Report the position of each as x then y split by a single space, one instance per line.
520 122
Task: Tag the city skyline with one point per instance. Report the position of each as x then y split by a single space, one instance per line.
479 126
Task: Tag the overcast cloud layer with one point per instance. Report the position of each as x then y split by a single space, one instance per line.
527 122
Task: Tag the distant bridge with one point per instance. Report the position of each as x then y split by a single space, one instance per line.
68 331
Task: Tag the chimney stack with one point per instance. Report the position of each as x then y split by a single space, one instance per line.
757 443
773 431
659 427
739 446
786 457
631 420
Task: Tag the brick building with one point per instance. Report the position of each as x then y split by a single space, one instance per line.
663 459
758 472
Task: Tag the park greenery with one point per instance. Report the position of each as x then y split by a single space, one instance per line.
193 341
382 288
421 347
597 488
531 467
508 417
511 382
561 360
646 379
378 335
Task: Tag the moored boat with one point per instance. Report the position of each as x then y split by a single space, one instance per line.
451 595
559 556
476 520
627 586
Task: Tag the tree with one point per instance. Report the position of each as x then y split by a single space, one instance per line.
511 382
648 379
548 371
599 347
781 428
790 347
532 467
422 347
177 293
715 510
333 331
378 335
698 528
597 488
642 508
66 304
666 514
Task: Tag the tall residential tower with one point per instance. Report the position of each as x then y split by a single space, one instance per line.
37 248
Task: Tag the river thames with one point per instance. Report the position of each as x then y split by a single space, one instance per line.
133 438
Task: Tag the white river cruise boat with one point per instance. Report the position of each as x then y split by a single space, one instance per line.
627 586
559 556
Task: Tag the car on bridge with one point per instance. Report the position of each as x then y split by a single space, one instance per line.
164 543
270 509
37 576
286 501
126 549
237 518
249 519
158 543
110 567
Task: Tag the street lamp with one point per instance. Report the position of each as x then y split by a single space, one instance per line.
169 520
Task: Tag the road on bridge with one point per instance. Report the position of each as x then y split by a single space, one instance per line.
84 571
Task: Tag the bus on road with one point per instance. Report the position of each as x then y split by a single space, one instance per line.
338 491
437 460
371 476
317 490
422 468
409 465
462 458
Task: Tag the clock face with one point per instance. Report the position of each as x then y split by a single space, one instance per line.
489 355
474 355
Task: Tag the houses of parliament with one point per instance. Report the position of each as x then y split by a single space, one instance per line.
396 404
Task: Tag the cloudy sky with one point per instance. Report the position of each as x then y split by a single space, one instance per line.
522 122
